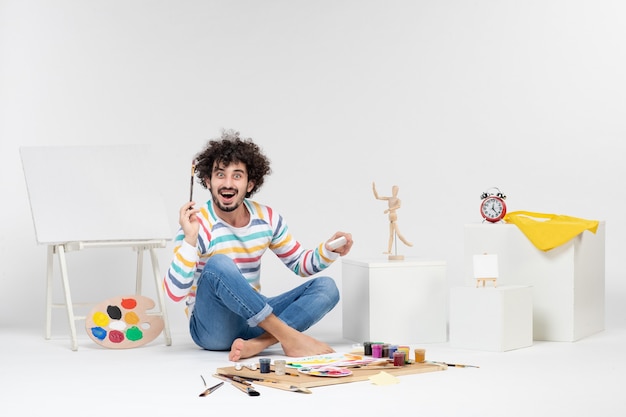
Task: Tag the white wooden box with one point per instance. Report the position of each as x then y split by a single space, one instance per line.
491 318
567 281
394 301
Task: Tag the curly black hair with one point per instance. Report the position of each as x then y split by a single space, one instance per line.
229 148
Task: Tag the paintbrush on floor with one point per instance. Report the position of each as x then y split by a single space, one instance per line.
268 382
284 386
245 386
209 390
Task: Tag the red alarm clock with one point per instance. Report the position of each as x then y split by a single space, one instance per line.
493 207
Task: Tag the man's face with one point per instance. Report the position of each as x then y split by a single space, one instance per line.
229 185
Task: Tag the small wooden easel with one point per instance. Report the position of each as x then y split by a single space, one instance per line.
483 280
486 269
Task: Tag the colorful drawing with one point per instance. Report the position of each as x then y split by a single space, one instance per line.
327 371
332 359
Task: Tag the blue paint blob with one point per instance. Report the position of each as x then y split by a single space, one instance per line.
99 333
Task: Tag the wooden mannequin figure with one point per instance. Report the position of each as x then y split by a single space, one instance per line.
394 204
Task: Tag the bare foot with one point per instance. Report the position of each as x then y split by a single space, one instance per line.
242 349
304 345
293 342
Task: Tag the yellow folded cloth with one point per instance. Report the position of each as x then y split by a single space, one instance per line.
547 231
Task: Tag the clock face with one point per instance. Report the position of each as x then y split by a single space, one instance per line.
493 209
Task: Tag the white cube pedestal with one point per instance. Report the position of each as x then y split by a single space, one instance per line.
400 302
567 281
492 319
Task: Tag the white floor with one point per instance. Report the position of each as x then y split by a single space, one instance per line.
37 377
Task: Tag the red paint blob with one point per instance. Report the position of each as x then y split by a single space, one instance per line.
129 303
116 336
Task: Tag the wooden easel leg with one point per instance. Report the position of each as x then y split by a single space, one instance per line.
68 297
49 283
139 275
160 297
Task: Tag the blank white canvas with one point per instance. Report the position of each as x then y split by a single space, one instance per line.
486 266
94 193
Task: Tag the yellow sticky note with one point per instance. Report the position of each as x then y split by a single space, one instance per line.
383 378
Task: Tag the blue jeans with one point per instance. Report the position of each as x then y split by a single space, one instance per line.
227 307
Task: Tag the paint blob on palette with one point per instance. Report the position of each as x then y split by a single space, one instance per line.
329 371
331 359
123 322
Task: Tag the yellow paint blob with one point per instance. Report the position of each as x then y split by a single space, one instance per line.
131 317
100 319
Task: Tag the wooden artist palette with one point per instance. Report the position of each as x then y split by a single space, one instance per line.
363 373
123 322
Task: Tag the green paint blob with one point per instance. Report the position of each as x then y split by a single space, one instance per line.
134 333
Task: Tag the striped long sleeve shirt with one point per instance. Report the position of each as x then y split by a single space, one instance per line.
245 246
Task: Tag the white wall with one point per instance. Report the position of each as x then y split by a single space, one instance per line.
443 98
